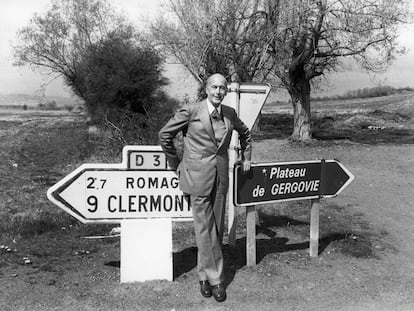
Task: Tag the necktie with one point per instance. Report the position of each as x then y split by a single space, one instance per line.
219 126
215 114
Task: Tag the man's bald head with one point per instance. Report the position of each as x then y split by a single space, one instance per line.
216 77
216 89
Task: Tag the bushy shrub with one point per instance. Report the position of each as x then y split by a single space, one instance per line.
122 127
119 72
120 80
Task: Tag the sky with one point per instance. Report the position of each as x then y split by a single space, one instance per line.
15 14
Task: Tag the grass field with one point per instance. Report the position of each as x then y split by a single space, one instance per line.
365 260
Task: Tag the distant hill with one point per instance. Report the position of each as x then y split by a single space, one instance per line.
36 100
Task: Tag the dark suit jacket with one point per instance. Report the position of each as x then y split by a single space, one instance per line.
202 157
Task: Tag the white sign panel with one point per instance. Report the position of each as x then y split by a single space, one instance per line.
252 97
126 194
146 160
139 187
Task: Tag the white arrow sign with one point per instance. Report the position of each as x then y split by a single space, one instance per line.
141 194
115 192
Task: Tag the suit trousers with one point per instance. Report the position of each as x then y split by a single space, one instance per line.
208 215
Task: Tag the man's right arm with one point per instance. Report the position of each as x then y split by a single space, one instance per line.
167 134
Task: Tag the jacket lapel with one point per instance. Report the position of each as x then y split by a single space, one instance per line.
226 118
205 120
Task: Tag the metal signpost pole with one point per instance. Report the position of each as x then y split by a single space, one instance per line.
314 216
233 157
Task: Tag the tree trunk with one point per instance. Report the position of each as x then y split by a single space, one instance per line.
300 94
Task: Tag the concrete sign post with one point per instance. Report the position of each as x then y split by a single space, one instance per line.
141 194
247 99
146 250
274 182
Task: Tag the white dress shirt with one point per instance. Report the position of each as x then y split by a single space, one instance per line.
211 107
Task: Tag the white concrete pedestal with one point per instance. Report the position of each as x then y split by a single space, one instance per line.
146 250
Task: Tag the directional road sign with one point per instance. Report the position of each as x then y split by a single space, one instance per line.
139 187
271 182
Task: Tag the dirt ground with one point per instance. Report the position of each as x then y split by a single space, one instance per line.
366 252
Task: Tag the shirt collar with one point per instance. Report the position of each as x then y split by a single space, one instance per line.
211 107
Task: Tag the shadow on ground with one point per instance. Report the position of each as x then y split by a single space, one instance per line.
285 238
346 243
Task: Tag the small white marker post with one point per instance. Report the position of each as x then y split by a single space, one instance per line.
250 236
146 250
314 228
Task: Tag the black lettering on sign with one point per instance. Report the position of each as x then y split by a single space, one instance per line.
157 161
91 180
130 182
93 202
142 201
155 203
97 185
164 183
110 209
131 203
174 182
179 203
168 203
153 182
139 160
141 182
103 181
121 210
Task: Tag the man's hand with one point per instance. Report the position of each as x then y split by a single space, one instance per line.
173 164
245 164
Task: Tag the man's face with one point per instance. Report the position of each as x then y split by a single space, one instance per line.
216 90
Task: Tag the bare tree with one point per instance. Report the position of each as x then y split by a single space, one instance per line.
215 36
308 38
296 40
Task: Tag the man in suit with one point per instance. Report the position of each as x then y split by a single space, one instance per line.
207 127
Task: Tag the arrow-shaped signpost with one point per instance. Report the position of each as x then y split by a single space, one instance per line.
273 182
141 194
100 193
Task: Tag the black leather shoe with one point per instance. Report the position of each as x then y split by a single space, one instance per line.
205 289
219 292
